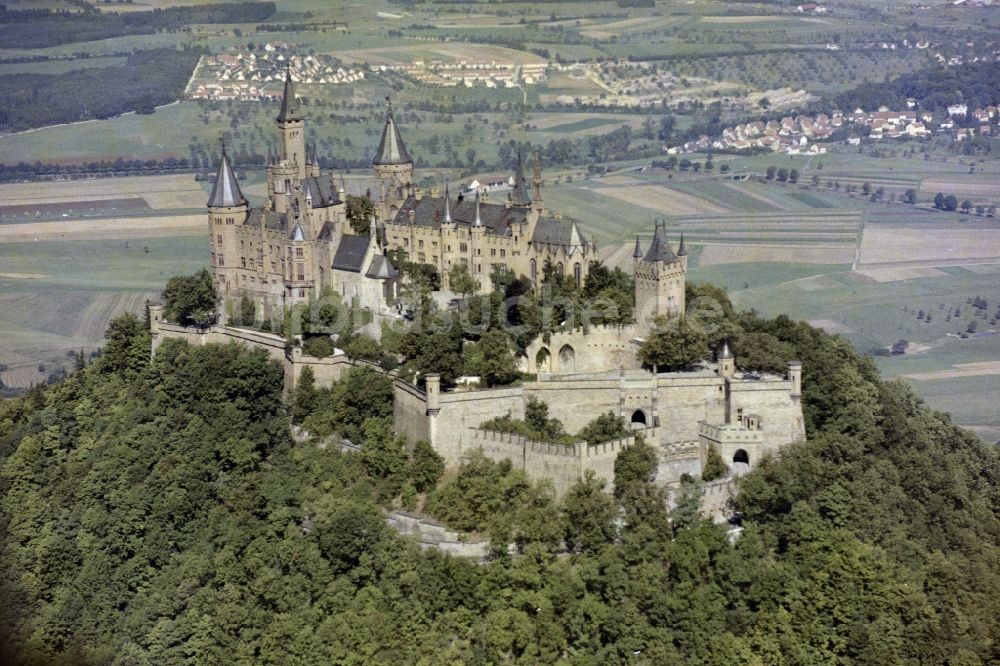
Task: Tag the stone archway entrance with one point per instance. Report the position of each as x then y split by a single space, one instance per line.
639 419
567 359
543 360
741 462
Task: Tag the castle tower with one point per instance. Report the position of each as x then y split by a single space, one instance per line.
660 277
292 128
520 196
227 209
393 167
537 184
727 364
477 246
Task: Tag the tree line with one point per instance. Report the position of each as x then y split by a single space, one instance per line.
156 511
40 28
147 79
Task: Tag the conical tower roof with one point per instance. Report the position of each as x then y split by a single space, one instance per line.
520 196
447 206
659 249
682 249
289 105
637 253
391 149
226 190
478 222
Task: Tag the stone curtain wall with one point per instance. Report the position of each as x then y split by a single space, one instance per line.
462 411
409 411
563 465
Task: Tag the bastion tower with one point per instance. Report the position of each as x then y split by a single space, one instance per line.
660 276
393 168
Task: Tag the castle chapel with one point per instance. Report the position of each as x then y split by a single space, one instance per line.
300 243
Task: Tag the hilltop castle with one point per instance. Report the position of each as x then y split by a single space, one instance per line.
300 244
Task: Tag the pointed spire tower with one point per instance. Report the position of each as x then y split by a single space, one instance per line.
447 206
478 222
537 183
520 196
292 128
393 167
226 191
660 277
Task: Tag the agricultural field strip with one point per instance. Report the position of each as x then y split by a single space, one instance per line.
121 227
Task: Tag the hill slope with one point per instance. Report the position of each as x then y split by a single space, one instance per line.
156 513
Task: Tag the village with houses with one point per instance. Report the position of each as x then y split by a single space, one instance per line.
259 74
469 73
800 135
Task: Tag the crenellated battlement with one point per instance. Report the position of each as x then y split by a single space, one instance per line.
563 464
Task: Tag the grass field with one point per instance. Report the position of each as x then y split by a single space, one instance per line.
57 296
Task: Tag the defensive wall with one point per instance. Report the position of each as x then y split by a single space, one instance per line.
293 361
563 464
601 349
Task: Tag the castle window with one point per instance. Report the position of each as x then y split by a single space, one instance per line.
298 252
534 269
218 239
463 247
243 262
421 257
567 359
577 273
222 261
274 267
503 253
479 251
302 293
420 244
406 242
241 243
493 252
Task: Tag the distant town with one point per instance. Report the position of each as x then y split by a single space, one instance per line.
799 135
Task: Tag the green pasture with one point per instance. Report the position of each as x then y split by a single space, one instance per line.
61 66
105 265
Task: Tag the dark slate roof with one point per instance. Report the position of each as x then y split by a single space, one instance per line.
381 268
659 249
681 249
289 105
551 231
321 190
326 232
270 218
391 149
638 248
520 196
430 212
350 253
359 187
226 190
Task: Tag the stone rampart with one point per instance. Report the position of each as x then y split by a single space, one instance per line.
409 411
563 464
431 534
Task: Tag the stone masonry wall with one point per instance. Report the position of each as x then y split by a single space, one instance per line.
564 465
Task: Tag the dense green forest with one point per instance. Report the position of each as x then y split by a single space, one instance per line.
147 79
157 512
974 84
39 28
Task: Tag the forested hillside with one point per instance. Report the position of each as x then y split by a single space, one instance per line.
158 513
974 84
